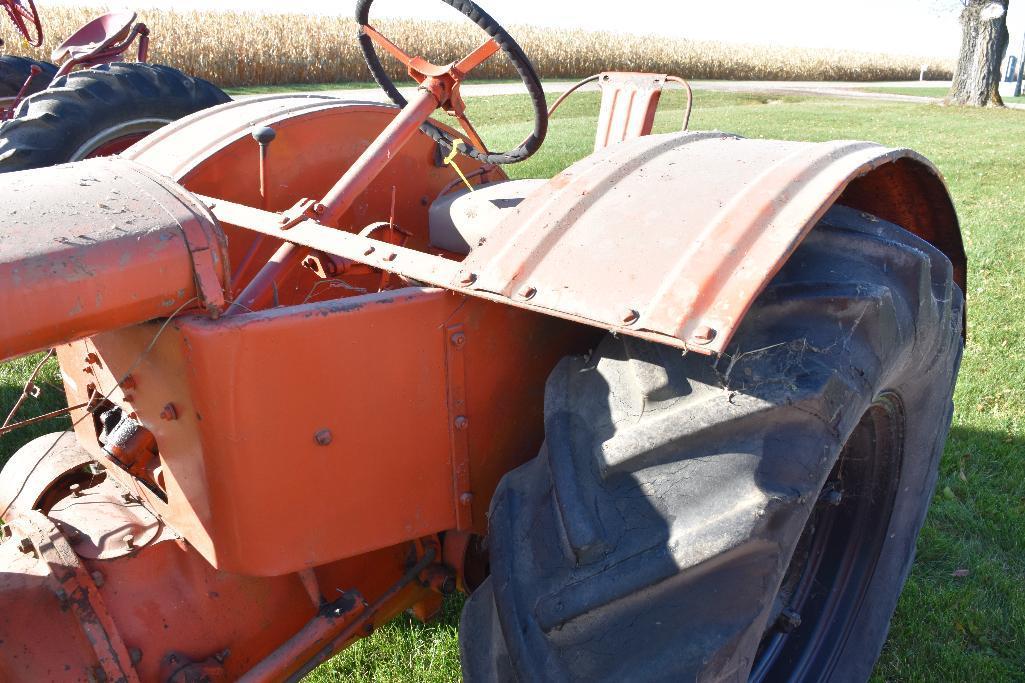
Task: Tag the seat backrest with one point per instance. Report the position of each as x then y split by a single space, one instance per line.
461 220
629 101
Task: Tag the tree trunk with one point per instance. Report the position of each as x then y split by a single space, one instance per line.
984 40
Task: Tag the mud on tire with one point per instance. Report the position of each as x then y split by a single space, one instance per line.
88 109
751 517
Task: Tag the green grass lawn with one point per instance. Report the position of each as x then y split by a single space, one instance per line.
924 92
962 614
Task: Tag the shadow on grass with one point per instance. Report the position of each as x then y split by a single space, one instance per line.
962 613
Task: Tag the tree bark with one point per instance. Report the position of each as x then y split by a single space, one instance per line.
984 41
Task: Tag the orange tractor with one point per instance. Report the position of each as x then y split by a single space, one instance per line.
93 103
673 414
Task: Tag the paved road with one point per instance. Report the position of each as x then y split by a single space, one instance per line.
841 89
827 88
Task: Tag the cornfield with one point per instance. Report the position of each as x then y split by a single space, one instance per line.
236 49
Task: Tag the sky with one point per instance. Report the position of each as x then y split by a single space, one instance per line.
918 27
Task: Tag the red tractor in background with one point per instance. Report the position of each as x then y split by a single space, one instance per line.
675 413
89 103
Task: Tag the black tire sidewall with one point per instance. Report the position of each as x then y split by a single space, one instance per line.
88 108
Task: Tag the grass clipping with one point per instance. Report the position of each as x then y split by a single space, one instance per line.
239 49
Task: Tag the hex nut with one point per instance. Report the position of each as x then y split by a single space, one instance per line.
703 335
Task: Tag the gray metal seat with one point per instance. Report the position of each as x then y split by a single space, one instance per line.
460 221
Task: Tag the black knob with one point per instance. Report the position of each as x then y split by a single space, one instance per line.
264 135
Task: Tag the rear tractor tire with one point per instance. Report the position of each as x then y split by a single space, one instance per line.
747 517
14 71
99 112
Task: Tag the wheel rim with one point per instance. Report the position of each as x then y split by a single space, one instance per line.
117 139
832 566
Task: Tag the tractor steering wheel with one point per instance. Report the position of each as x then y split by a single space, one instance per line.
420 68
26 19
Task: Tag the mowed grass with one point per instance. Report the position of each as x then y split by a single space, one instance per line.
962 614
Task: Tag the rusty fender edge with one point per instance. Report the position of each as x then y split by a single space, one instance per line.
99 245
672 237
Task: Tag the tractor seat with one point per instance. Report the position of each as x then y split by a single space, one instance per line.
461 221
99 34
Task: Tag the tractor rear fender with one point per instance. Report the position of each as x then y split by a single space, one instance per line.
672 237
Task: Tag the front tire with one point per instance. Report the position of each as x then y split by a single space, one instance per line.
750 517
99 112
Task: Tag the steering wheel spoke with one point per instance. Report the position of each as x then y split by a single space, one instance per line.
470 131
477 57
388 46
443 81
26 19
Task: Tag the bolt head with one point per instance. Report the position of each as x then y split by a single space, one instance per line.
630 316
466 498
467 278
527 292
390 257
169 413
462 422
26 546
91 358
788 620
458 339
129 541
98 578
368 251
323 437
703 335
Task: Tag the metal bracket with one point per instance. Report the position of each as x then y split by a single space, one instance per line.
459 425
303 209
